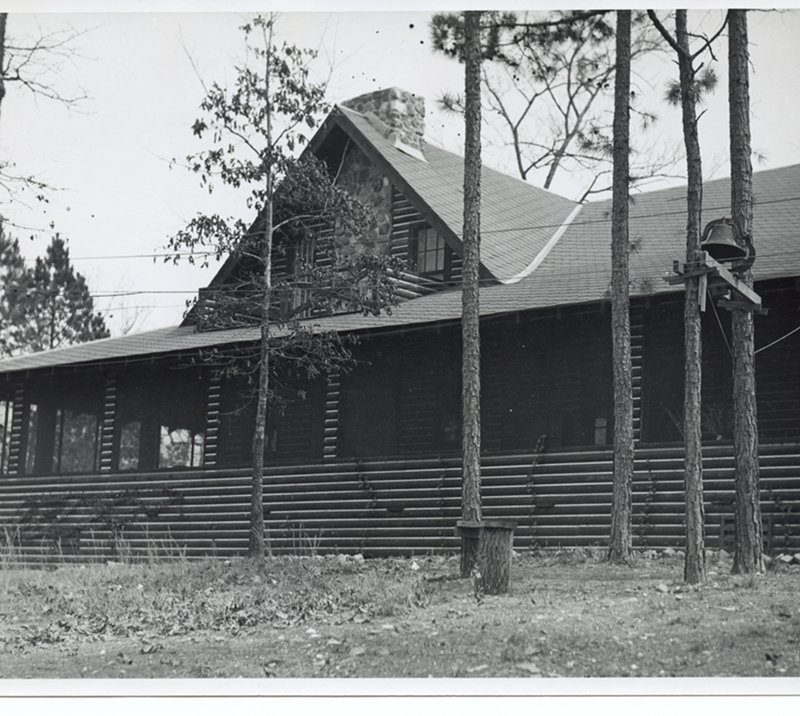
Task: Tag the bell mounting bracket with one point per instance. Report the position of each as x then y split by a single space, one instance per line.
730 291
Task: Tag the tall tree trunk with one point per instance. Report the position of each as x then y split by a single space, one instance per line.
694 566
748 535
620 547
470 319
259 538
3 18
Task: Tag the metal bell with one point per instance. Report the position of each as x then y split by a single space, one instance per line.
719 241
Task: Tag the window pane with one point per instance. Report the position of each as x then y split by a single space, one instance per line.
56 441
174 448
77 441
6 409
161 415
430 252
198 444
130 445
179 448
30 447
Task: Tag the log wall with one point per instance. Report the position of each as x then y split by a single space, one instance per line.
559 499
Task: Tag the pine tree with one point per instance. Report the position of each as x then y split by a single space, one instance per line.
748 534
470 317
12 279
48 305
687 92
620 548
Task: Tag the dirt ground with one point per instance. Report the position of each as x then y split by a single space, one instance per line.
568 615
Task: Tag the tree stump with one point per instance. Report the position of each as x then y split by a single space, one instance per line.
494 551
469 552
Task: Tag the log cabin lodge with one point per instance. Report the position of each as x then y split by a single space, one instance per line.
125 443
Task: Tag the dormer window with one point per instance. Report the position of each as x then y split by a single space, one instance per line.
430 254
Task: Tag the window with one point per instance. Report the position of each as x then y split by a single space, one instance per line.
180 448
129 441
62 428
6 412
430 254
161 416
32 433
75 441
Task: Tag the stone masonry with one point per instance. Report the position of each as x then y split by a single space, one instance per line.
401 111
400 115
368 184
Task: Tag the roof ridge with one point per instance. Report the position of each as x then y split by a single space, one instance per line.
706 182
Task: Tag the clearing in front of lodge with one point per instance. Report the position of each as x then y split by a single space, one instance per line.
568 614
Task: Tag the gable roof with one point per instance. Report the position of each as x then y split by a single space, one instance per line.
435 185
576 270
517 218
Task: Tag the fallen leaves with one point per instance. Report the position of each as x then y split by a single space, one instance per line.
331 617
528 667
477 669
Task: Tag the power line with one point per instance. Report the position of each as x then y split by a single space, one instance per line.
554 274
778 340
484 232
634 217
130 308
133 256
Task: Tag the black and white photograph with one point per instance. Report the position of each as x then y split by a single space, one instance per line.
370 348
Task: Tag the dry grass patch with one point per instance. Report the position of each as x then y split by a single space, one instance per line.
568 614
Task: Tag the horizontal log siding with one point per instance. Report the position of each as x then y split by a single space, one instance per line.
383 508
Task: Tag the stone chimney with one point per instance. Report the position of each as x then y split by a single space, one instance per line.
399 115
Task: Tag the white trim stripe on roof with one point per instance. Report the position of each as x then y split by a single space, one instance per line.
546 249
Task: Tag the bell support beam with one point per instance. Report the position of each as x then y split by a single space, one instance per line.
720 279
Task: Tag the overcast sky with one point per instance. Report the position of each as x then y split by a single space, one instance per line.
112 157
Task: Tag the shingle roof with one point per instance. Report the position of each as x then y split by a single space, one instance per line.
576 270
517 219
579 266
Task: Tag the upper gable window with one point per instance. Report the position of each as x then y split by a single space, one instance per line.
430 254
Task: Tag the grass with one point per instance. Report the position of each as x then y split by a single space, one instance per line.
568 614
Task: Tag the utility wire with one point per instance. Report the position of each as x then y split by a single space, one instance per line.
778 340
529 227
553 275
